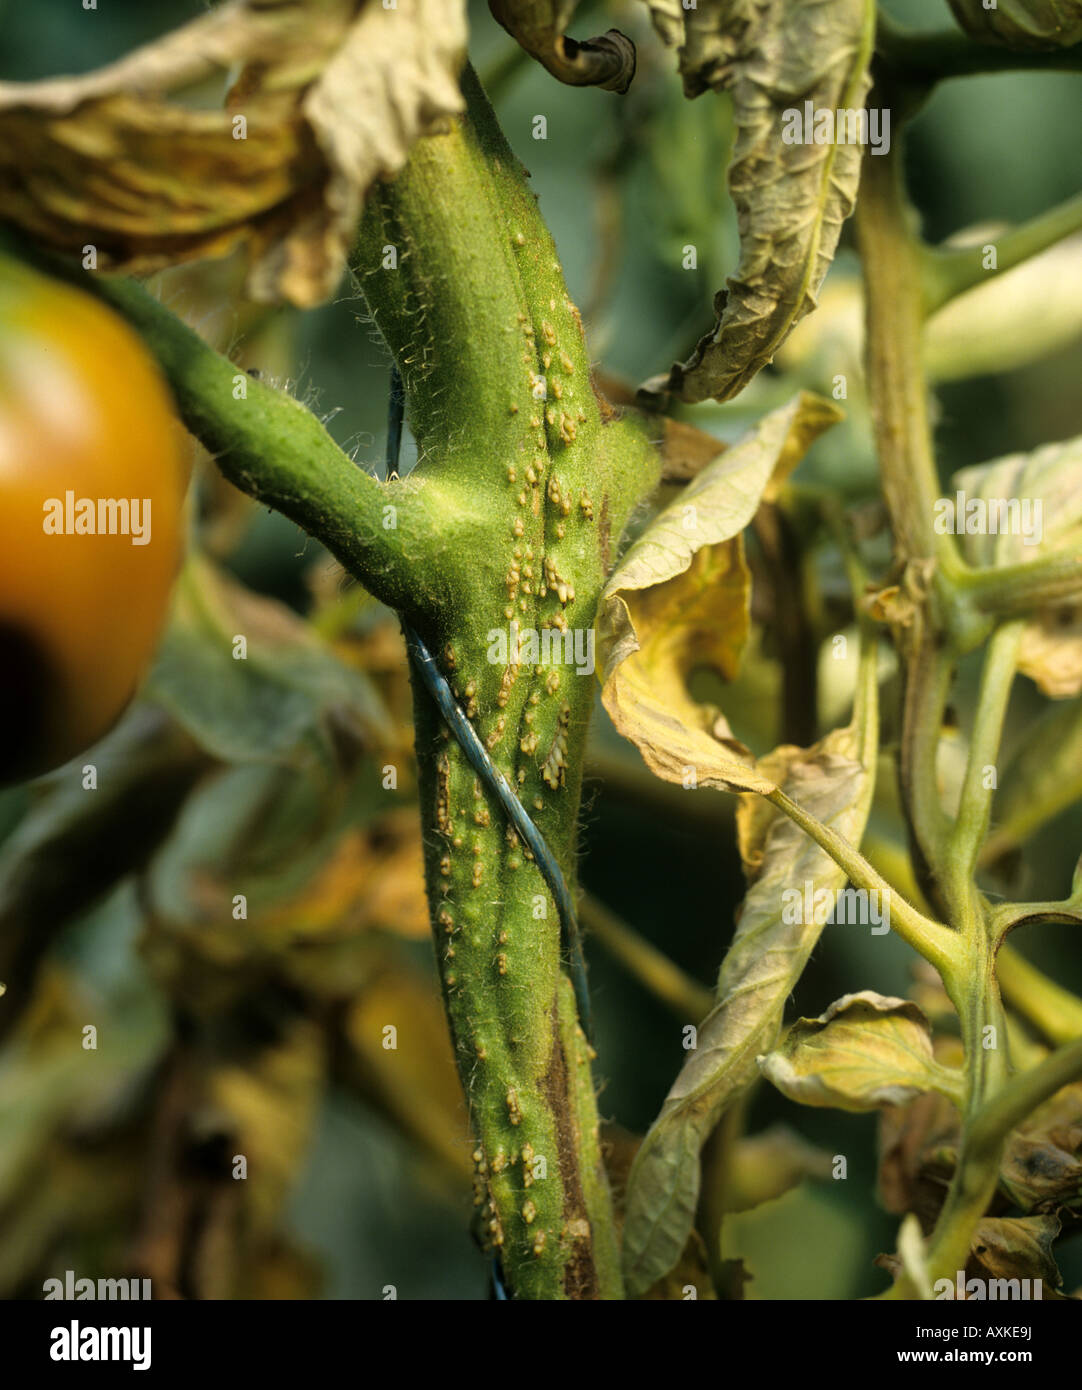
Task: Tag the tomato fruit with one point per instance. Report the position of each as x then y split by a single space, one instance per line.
93 470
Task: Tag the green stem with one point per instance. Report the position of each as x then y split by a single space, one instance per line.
1022 1095
950 271
1012 590
934 941
975 805
438 258
929 672
929 58
894 324
1006 916
541 478
515 511
273 448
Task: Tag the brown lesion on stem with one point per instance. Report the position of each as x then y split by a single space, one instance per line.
580 1273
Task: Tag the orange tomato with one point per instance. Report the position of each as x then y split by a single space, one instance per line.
93 470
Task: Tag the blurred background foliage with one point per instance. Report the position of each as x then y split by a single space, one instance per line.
221 1034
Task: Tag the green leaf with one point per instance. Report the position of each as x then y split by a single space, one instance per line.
1023 24
791 198
680 599
834 781
288 700
867 1050
74 846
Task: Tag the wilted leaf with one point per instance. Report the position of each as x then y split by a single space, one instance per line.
916 1157
1041 1170
834 782
607 61
685 451
1018 507
1050 652
288 698
679 600
1023 24
669 17
1017 1248
1042 1165
791 198
692 1271
867 1050
332 94
1015 509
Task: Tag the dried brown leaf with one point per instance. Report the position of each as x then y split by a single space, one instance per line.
330 97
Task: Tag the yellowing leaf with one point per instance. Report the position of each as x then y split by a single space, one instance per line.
765 1166
331 96
1050 652
270 1101
414 1082
679 599
791 198
867 1050
834 782
607 61
373 878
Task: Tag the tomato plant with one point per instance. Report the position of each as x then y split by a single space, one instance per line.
819 642
93 470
